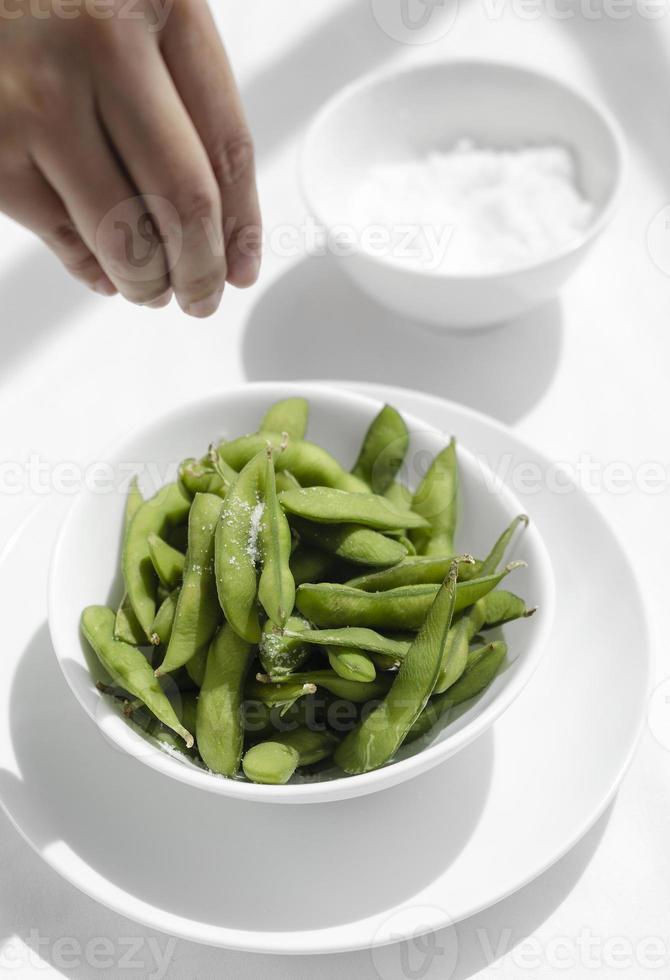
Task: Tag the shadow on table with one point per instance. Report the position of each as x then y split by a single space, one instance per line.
314 323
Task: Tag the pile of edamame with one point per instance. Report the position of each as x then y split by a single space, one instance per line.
283 615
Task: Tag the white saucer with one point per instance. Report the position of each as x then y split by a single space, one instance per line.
356 873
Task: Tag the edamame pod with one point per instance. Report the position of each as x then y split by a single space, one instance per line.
502 607
283 651
289 415
200 476
275 694
353 636
358 692
168 561
169 507
377 737
414 570
352 664
219 719
129 668
274 762
383 450
495 557
325 505
127 626
310 464
436 499
351 542
236 550
161 631
483 665
198 614
276 588
332 605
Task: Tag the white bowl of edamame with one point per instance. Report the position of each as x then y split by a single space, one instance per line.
296 618
461 193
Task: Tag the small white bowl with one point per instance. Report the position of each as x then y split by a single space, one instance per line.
85 570
405 114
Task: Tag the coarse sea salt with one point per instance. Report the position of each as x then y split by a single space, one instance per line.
475 210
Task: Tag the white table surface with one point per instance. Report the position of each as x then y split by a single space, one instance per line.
585 379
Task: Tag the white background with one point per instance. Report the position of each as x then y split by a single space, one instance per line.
588 375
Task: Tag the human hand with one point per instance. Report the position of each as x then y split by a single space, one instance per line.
123 145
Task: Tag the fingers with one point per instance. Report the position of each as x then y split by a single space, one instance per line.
112 219
198 64
26 196
165 158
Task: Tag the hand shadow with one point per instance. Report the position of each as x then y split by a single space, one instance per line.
313 322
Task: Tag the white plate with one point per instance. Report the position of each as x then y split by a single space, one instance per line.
351 874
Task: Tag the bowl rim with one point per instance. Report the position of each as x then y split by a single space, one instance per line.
123 736
381 76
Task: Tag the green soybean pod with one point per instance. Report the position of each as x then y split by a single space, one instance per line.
276 587
129 668
236 551
352 664
352 636
455 656
502 607
358 692
414 570
383 450
324 505
200 476
495 557
127 626
168 508
283 651
219 719
168 561
482 667
274 762
350 542
161 630
198 614
310 464
186 711
289 415
278 693
436 500
332 605
377 737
